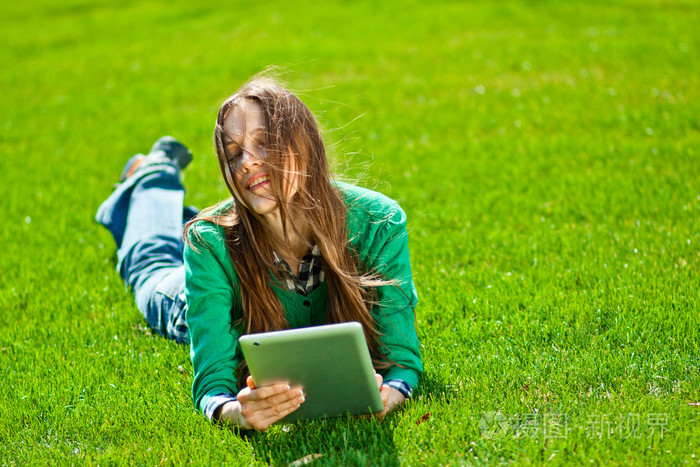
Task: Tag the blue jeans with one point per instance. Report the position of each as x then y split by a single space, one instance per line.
145 215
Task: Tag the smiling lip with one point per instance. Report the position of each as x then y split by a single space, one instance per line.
258 181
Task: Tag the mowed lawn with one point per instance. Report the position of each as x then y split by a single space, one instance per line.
547 155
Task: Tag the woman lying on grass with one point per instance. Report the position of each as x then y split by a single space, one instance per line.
291 248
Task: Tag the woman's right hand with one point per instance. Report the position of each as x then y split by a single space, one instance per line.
258 408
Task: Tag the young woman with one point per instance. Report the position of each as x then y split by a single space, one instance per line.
291 248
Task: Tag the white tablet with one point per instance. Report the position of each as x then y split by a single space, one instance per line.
331 363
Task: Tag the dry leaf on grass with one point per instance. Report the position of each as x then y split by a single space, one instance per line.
306 460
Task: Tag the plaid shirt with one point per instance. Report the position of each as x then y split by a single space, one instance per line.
309 278
310 273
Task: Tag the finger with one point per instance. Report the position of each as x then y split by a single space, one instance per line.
265 423
262 419
379 379
253 401
378 415
256 409
286 396
249 382
266 392
385 392
279 413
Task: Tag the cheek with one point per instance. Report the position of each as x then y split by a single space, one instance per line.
232 176
231 181
229 176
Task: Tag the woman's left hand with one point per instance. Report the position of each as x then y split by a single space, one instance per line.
392 398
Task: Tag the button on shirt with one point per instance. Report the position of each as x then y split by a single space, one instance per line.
309 278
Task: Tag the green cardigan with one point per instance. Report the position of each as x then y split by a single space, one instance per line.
377 230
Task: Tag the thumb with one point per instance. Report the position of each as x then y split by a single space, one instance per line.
379 379
249 382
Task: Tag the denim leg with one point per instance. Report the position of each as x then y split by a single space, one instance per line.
149 209
153 233
167 306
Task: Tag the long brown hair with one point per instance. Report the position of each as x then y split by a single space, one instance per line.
293 148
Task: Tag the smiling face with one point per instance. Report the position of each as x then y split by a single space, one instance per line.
244 145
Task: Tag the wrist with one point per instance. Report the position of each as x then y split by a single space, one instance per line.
396 399
231 413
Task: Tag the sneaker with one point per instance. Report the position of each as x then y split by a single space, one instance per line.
131 166
173 150
166 149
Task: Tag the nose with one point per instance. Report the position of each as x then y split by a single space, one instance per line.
249 160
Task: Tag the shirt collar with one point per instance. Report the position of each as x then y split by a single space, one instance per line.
314 253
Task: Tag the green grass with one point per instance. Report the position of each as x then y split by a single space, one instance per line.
546 153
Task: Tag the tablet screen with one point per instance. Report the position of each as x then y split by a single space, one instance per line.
331 363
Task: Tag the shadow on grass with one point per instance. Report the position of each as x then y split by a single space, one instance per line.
340 441
433 388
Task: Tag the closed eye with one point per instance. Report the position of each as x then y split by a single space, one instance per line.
260 148
233 152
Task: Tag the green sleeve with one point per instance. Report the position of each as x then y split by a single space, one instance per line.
395 309
210 288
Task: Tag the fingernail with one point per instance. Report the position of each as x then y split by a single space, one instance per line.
302 399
